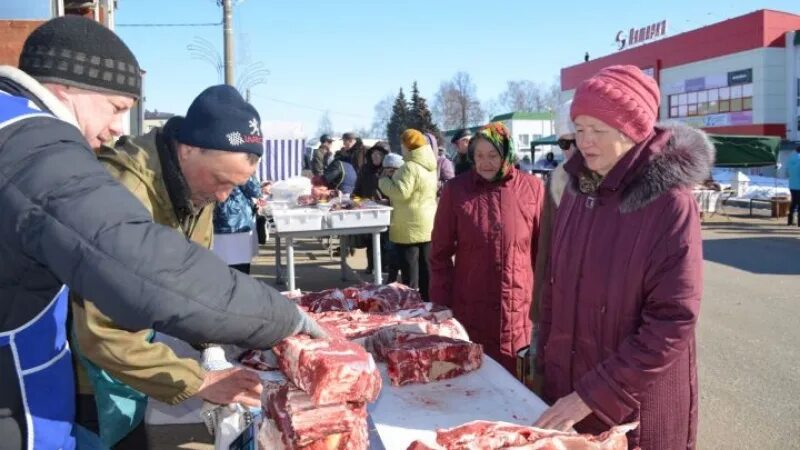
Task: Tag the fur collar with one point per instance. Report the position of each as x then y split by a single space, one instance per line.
684 160
42 94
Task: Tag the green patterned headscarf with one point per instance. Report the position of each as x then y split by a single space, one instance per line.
500 137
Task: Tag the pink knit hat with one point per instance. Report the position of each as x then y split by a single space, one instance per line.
621 96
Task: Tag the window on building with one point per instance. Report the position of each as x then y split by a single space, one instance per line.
524 140
712 101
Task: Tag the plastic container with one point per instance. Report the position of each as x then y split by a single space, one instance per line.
298 219
379 216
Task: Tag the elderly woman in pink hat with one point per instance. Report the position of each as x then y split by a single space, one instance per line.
624 277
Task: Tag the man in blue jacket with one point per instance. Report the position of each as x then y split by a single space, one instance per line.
794 185
66 224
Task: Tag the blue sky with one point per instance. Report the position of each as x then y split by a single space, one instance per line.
344 56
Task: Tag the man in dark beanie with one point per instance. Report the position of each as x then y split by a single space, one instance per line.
66 224
461 160
177 172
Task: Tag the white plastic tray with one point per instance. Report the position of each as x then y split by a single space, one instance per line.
298 219
358 218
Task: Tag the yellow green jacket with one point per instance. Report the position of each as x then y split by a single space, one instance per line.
412 191
151 368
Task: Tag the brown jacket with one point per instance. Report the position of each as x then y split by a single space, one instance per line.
152 368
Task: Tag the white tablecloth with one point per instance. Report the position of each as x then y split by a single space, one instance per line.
404 414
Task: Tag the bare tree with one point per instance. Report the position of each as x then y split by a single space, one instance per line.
381 116
523 95
456 104
325 126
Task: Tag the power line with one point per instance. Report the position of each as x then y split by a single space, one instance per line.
155 25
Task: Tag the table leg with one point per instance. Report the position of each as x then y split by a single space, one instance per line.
344 250
376 258
278 269
290 262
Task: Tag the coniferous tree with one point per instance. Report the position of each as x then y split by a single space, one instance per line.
420 116
398 123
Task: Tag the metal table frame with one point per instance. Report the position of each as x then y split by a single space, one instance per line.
290 236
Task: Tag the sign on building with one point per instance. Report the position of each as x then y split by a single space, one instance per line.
636 36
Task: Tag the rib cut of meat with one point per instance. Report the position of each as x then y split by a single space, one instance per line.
305 426
483 435
330 371
423 358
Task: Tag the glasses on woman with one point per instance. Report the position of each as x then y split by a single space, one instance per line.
565 144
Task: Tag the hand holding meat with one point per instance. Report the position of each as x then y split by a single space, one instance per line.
235 385
564 414
309 326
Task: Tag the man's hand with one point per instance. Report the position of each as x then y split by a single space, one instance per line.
566 412
235 385
309 326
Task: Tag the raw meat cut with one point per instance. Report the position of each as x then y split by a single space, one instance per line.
331 371
366 297
328 300
484 435
358 324
306 426
384 298
423 358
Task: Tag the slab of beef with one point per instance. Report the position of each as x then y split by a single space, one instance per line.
423 358
306 426
328 300
384 298
330 371
483 435
358 324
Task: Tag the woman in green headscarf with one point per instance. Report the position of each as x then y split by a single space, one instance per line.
488 219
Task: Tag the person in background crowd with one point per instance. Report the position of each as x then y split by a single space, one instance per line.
391 163
526 165
461 161
556 183
548 163
488 220
340 173
793 167
412 191
444 169
618 316
261 218
66 224
235 241
367 188
171 171
322 155
358 153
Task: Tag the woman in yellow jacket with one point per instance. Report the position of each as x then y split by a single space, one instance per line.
412 191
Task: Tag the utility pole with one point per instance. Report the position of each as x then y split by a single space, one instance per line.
227 19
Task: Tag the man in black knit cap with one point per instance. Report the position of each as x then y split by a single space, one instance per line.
66 224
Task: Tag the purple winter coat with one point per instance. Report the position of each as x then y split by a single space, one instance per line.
625 279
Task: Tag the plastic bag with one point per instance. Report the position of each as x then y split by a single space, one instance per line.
290 189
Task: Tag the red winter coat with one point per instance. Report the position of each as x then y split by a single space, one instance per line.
491 229
625 279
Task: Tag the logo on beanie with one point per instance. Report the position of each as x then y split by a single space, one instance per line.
254 127
235 138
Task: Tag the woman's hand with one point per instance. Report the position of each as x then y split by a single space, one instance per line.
564 414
